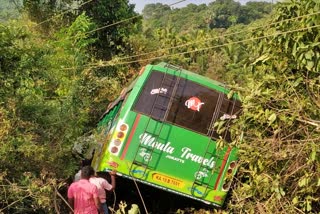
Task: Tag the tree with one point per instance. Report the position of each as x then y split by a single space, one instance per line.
51 15
9 9
155 11
254 10
115 20
224 13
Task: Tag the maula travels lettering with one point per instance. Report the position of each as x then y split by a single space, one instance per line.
186 152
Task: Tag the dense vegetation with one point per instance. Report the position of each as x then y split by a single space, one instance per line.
62 62
217 14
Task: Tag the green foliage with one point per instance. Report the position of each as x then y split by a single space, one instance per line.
52 94
123 207
181 37
41 113
111 40
218 14
155 11
10 9
280 151
51 15
184 19
224 13
254 10
279 78
189 18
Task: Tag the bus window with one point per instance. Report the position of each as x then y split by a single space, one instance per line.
194 107
108 119
155 96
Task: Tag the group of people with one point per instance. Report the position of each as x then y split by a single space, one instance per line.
87 194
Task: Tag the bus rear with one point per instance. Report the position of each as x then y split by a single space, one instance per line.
162 131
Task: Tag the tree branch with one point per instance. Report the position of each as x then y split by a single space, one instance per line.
313 122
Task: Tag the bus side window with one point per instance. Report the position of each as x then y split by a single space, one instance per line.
106 123
154 98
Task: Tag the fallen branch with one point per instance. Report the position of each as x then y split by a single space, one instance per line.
63 199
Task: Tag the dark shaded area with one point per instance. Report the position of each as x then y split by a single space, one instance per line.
157 201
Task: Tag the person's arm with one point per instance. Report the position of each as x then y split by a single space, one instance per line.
96 198
98 204
113 179
71 203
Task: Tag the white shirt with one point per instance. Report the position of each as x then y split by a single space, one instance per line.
102 185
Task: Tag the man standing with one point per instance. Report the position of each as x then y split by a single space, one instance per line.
103 185
82 195
84 162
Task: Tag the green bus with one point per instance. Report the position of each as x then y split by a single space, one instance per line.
161 131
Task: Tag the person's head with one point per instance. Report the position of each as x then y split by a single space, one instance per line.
87 172
85 162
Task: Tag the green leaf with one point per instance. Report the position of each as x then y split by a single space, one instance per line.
297 82
309 55
313 153
230 94
295 200
310 65
272 118
303 182
308 205
294 49
261 59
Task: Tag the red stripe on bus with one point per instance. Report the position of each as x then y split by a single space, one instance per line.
222 167
130 136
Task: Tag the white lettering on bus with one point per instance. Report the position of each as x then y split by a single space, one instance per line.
175 158
186 153
228 116
159 91
148 140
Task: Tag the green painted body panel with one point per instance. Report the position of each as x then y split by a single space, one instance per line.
161 154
